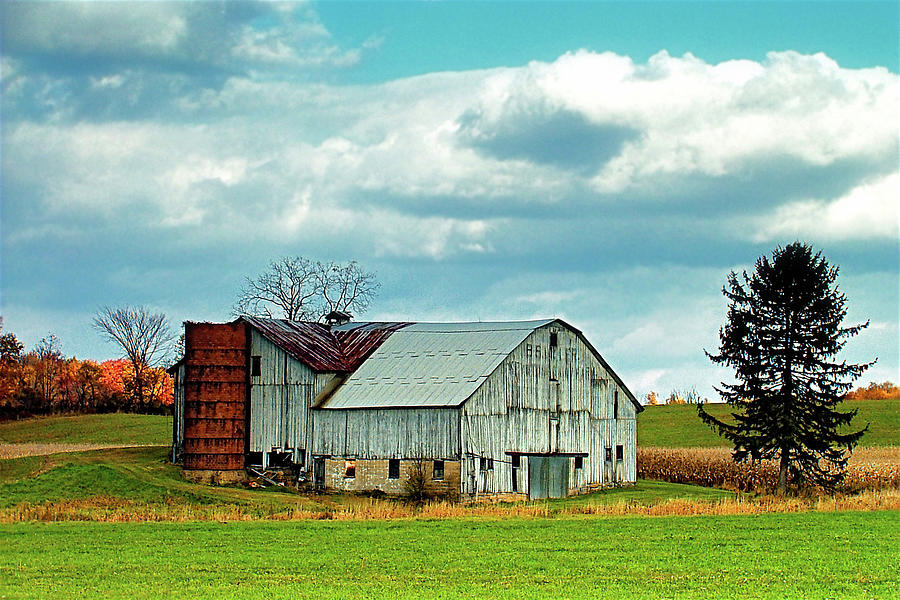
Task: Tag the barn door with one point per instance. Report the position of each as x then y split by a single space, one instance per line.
548 476
537 481
319 472
559 476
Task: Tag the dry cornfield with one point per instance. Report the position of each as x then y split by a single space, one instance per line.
868 469
41 449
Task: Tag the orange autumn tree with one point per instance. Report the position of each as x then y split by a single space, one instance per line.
10 369
874 391
118 379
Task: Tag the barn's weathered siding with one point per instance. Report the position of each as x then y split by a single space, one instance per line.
280 400
431 433
545 399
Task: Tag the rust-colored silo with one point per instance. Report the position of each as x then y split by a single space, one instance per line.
215 397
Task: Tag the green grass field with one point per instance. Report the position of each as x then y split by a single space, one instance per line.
678 426
234 543
805 555
142 481
114 428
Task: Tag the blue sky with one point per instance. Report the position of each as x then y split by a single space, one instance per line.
417 38
607 163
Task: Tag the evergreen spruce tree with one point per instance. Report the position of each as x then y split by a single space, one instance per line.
781 337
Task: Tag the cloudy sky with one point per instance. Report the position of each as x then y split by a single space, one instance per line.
607 163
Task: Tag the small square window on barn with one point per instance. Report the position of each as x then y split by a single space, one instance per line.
609 454
579 462
255 366
620 452
516 461
438 470
394 468
350 469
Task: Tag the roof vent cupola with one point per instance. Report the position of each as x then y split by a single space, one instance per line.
337 317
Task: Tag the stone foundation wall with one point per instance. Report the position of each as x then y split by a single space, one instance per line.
372 475
496 497
210 477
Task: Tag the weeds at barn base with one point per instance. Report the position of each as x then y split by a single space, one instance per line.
106 509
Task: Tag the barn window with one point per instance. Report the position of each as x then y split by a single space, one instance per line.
255 366
620 452
553 339
350 469
438 470
579 462
487 464
394 468
609 454
516 462
527 349
616 405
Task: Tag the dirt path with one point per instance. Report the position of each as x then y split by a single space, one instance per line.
37 449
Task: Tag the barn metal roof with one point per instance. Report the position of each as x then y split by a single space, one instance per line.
340 348
402 364
430 364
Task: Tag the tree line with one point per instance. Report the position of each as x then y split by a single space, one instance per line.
873 391
43 381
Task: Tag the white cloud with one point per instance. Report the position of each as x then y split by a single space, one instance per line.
85 27
646 380
255 34
869 211
475 171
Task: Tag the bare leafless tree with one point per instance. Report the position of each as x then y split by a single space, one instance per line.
415 486
346 287
144 336
299 289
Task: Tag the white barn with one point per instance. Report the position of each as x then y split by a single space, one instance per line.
524 409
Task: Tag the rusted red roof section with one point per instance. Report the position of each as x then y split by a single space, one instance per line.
323 348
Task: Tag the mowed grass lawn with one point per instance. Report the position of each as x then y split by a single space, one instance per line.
113 428
678 426
802 555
